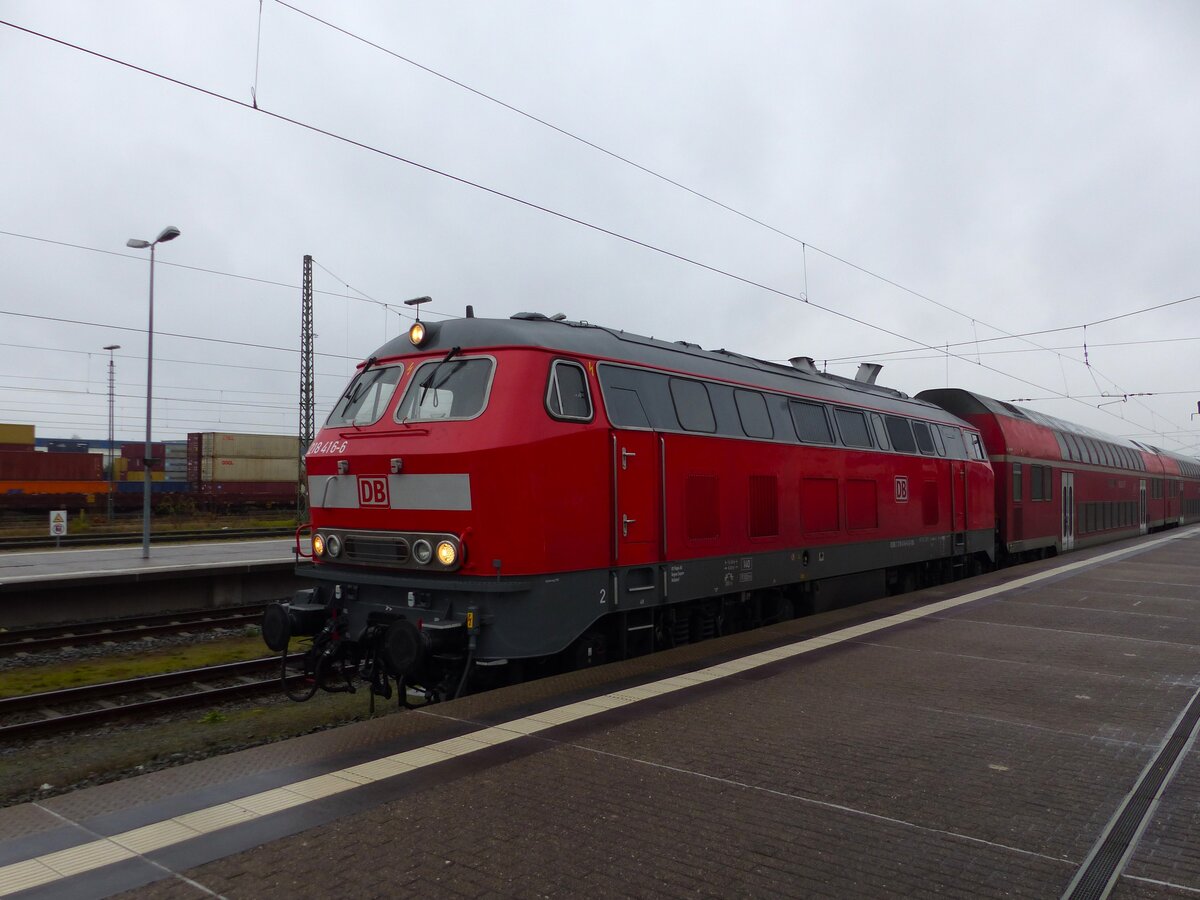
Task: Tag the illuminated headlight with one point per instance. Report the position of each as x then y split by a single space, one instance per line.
318 545
422 552
416 334
333 545
447 553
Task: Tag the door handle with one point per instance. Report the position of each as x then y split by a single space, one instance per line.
625 454
625 523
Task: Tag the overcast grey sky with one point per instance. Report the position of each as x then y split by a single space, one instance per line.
1027 166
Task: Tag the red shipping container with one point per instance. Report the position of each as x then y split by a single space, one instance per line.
30 465
135 454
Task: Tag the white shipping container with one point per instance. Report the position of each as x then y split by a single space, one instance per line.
257 446
246 468
175 450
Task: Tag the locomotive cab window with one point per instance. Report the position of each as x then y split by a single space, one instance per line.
852 423
693 406
976 446
567 393
447 389
366 397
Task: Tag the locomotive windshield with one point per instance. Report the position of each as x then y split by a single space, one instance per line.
447 389
367 396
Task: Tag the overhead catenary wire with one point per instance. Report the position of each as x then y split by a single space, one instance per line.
804 245
515 199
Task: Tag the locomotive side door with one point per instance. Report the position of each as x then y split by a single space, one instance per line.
637 498
958 503
1068 510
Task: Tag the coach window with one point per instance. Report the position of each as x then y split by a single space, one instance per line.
1018 485
752 410
881 434
900 431
692 406
924 441
812 425
1072 450
852 424
447 389
1063 450
567 393
366 397
1037 486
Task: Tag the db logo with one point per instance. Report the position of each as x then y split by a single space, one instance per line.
901 489
373 490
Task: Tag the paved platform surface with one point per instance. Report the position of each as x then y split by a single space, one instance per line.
975 740
23 569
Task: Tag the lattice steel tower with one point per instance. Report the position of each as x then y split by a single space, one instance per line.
307 428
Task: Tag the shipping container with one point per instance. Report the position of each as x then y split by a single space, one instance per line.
67 446
140 476
243 468
136 453
250 446
9 448
31 465
9 487
176 450
16 434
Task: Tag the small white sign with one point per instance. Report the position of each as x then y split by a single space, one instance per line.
901 489
58 522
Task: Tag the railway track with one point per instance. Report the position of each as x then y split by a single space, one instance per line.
116 540
50 637
33 715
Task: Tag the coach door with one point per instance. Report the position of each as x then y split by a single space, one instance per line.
1068 510
637 498
1142 523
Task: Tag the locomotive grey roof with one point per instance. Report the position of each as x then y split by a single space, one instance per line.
585 339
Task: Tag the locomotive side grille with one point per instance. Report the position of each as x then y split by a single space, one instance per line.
376 549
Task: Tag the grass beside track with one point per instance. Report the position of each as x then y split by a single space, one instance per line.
131 663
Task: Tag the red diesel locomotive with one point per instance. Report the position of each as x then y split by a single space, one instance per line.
492 491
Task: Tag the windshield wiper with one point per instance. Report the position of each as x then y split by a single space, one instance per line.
425 385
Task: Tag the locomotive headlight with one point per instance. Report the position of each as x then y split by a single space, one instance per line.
333 545
416 334
447 553
318 545
422 552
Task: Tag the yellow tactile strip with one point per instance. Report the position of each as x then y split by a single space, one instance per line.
104 851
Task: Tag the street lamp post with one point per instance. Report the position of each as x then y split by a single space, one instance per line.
112 456
167 234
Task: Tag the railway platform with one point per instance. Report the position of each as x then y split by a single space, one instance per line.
58 585
1030 732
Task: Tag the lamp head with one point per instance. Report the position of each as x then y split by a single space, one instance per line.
113 347
167 234
137 244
